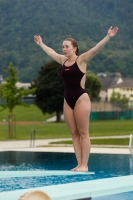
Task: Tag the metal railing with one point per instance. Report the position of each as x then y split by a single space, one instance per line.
131 144
32 137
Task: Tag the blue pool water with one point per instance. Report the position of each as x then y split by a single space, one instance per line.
104 166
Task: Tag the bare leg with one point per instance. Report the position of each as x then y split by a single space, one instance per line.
70 120
82 114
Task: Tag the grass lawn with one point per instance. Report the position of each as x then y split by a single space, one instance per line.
111 127
22 113
43 130
120 141
60 130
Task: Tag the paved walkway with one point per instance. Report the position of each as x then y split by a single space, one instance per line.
44 142
27 143
43 145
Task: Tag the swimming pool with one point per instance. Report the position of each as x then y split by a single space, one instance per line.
104 166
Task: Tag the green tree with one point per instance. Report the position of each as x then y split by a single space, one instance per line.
49 93
93 86
119 100
18 19
12 95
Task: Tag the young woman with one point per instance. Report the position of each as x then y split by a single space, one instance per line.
77 105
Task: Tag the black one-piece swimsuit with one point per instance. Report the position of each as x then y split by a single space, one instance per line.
72 77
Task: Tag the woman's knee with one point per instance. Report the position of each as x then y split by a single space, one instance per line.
83 134
75 133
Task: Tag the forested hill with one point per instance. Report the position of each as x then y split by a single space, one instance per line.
85 20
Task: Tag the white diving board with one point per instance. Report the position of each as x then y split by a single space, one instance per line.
79 190
8 174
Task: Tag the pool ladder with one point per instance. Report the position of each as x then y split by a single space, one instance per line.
32 137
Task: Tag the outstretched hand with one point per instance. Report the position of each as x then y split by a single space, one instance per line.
38 39
112 31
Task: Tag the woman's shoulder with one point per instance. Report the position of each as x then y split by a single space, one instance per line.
80 58
81 63
64 59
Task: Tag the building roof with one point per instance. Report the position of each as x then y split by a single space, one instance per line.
108 82
126 83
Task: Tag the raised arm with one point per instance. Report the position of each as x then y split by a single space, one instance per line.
92 52
49 51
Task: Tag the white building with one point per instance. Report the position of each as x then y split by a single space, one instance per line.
24 85
117 84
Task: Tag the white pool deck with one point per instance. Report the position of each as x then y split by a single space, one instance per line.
71 191
24 145
70 150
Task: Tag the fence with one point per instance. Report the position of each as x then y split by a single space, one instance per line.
106 110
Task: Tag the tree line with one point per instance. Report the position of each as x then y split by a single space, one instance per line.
86 21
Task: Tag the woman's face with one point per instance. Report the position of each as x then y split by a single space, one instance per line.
68 48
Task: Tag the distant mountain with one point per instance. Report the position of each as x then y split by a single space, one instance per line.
85 20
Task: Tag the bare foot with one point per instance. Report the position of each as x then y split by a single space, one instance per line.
75 168
81 169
